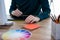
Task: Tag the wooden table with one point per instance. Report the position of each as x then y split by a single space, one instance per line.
42 33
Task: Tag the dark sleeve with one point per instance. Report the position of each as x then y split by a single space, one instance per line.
13 6
45 10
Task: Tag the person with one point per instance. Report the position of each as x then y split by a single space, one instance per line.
30 10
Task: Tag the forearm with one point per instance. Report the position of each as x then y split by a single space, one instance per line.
44 15
45 10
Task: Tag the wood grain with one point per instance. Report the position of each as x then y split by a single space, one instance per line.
42 33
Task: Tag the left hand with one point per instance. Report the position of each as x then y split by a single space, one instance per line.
32 19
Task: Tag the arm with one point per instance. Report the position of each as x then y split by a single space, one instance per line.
13 6
45 9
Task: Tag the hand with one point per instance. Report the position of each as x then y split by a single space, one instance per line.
32 19
17 13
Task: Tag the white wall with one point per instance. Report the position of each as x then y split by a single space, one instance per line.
7 4
55 6
3 17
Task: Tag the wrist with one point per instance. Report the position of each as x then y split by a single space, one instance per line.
38 18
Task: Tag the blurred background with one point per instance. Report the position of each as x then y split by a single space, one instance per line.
55 7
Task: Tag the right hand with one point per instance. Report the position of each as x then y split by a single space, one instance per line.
17 13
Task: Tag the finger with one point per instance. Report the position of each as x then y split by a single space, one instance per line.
20 13
14 13
35 20
17 13
29 19
32 21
